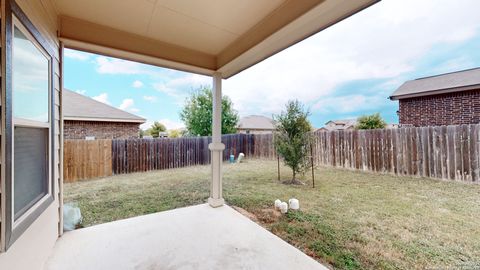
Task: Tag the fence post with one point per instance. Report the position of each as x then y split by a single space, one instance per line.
311 161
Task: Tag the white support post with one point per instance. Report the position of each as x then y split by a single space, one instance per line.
216 147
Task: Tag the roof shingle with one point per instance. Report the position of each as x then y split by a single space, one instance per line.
444 83
80 107
256 122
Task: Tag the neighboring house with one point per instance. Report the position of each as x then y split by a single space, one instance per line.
446 99
256 124
346 124
86 118
342 124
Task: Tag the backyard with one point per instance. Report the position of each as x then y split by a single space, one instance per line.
350 220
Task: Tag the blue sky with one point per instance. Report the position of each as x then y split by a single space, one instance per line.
345 71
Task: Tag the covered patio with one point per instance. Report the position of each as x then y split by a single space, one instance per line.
214 38
195 237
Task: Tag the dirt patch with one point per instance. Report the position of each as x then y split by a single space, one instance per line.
293 182
268 215
245 213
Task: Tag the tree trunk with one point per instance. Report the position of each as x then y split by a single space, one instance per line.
294 181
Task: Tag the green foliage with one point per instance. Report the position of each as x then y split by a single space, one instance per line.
374 121
174 133
292 137
155 129
197 113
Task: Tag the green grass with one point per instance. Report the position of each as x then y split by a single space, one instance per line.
351 220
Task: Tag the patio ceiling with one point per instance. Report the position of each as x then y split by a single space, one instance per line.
197 36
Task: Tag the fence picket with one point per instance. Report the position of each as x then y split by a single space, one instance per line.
447 152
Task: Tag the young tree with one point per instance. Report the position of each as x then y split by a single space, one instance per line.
373 121
155 129
292 138
197 113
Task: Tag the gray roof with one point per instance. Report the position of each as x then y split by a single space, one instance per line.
347 122
256 122
83 108
340 124
444 83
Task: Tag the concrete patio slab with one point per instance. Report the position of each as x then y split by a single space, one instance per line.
196 237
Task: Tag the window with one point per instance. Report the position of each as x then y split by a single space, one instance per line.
29 128
30 98
30 79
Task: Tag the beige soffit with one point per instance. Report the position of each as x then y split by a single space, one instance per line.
197 36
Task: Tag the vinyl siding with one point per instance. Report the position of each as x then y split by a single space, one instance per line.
32 249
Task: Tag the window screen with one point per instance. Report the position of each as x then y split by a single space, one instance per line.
30 167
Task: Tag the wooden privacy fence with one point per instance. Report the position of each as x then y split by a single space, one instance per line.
86 159
446 152
137 155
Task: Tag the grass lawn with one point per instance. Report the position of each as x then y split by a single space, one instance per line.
351 220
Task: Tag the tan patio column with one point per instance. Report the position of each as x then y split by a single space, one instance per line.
216 147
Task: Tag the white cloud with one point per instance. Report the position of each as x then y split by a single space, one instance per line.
169 124
150 98
81 91
103 97
107 65
126 104
349 104
137 84
179 87
77 55
134 110
384 41
458 63
147 124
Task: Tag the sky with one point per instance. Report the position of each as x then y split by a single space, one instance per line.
345 71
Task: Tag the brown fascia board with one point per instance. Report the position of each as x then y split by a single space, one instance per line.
437 92
85 32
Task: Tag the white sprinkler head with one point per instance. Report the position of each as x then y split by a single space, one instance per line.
294 204
277 204
283 207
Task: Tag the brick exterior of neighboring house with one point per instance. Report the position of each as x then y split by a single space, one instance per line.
85 117
100 130
445 99
443 109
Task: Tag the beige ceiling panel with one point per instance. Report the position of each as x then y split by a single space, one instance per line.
128 15
174 28
236 16
320 17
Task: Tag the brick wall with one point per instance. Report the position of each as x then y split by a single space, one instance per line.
100 130
444 109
